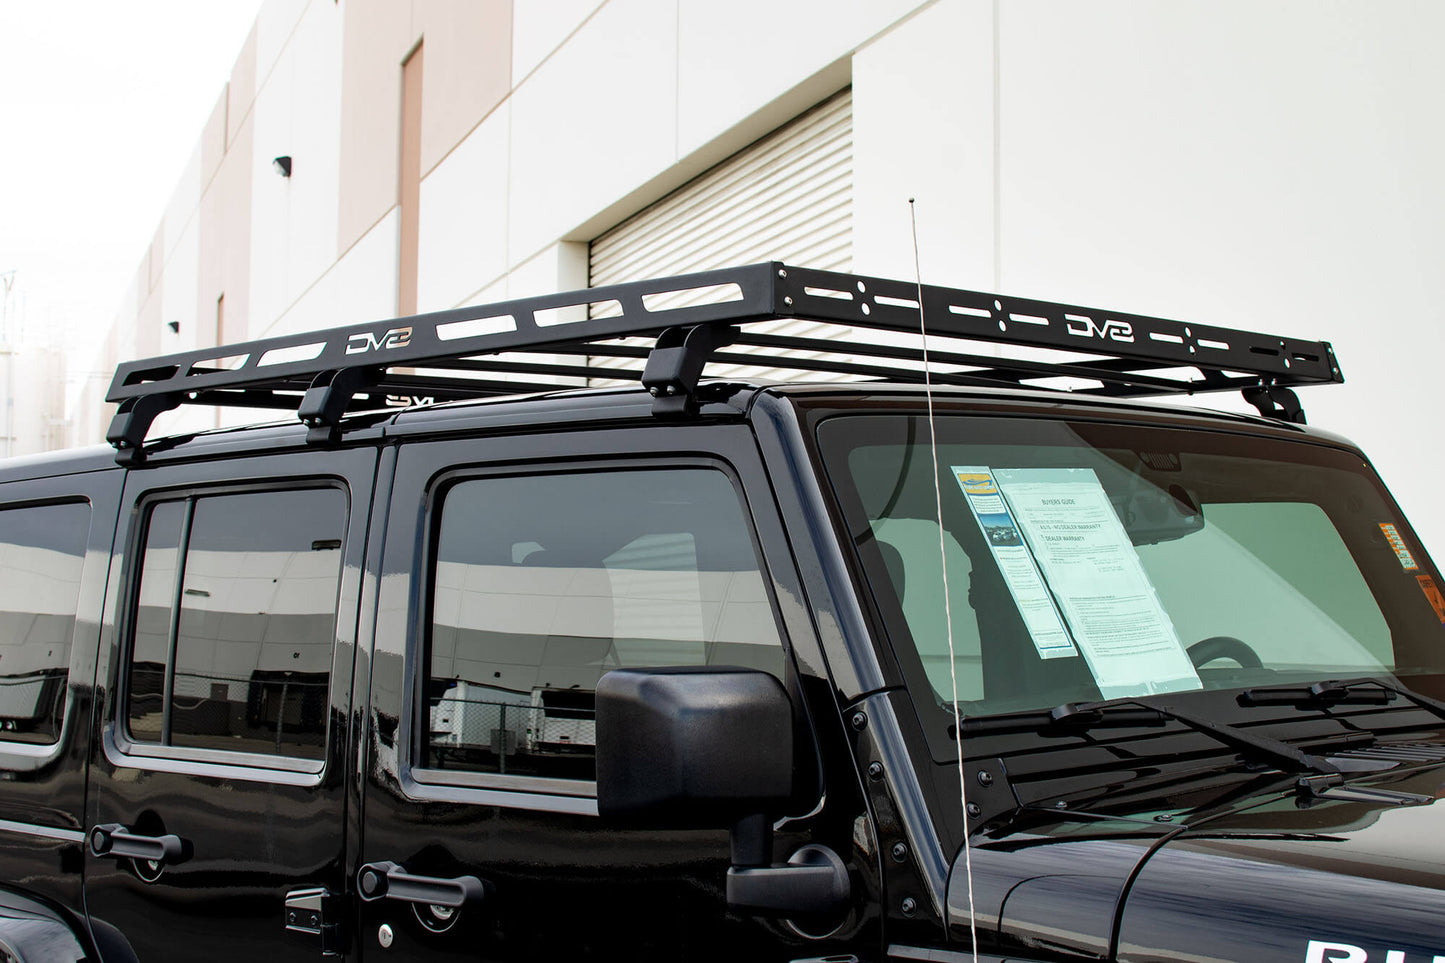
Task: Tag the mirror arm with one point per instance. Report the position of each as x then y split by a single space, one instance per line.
752 841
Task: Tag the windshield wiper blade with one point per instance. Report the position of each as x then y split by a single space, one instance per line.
1126 713
1333 692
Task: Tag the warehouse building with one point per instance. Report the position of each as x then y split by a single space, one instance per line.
1268 166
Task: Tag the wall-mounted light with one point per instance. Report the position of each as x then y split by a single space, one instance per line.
283 165
175 326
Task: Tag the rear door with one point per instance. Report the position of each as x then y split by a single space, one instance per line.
517 571
218 780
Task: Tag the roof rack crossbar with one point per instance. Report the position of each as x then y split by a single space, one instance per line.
325 375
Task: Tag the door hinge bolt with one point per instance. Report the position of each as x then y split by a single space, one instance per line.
875 770
909 906
900 852
860 721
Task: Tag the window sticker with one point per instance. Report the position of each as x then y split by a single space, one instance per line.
1432 592
1090 565
1392 535
1014 560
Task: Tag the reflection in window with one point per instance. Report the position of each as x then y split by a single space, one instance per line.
543 584
244 662
42 552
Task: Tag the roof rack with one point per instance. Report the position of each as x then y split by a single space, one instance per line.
594 334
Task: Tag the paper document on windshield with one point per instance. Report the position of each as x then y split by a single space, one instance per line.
1020 573
1095 576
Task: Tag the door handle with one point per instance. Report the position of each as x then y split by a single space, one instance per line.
387 880
113 839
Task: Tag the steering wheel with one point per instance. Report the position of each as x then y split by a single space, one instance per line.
1223 647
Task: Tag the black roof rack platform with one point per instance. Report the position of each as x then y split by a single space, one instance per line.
593 334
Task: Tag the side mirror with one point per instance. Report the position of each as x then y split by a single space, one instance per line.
703 747
686 748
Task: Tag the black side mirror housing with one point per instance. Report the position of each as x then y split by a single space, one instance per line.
692 747
704 747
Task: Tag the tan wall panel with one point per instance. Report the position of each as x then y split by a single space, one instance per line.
376 36
412 103
213 139
224 259
241 91
468 68
148 325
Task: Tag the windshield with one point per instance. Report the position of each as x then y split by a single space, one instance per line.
1095 561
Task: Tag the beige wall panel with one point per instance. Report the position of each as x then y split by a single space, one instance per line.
213 139
156 260
468 68
241 91
224 256
148 325
376 35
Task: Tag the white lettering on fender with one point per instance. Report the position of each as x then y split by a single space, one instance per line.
1346 953
1081 326
366 341
1317 949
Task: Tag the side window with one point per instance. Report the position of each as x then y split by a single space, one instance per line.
42 552
235 622
541 584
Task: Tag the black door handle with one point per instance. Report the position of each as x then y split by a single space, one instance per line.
389 881
113 839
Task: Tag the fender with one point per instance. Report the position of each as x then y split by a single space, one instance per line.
34 932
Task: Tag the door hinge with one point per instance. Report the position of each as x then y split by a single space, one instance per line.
317 913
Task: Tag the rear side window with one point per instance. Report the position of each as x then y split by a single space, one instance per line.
235 622
542 584
42 552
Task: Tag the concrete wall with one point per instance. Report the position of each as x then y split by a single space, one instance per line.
1269 165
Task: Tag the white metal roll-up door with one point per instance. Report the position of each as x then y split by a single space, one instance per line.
786 197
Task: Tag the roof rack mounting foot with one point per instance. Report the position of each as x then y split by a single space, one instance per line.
127 431
1277 402
674 366
326 401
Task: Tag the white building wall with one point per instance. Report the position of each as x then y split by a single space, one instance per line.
1271 166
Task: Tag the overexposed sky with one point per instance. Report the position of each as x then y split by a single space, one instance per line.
101 104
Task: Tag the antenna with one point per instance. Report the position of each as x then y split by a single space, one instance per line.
943 560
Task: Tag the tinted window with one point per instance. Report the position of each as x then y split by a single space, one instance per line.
542 584
245 662
42 552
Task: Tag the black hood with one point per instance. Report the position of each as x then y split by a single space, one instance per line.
1358 870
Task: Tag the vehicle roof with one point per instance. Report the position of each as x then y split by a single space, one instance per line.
632 404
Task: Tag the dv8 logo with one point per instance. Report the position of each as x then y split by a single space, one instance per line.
1322 952
393 338
1081 326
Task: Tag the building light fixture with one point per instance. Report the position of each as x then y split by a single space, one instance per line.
283 165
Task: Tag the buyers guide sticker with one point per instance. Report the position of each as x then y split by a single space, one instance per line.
1020 572
1392 535
1087 560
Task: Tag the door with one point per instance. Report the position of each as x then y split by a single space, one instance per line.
532 567
217 783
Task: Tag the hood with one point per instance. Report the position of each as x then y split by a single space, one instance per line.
1352 874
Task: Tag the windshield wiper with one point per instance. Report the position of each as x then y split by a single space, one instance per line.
1125 713
1333 692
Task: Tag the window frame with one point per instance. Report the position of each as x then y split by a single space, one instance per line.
425 782
162 756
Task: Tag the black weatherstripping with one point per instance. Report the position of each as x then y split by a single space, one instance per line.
323 375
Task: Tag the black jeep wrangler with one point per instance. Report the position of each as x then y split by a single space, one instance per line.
958 647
